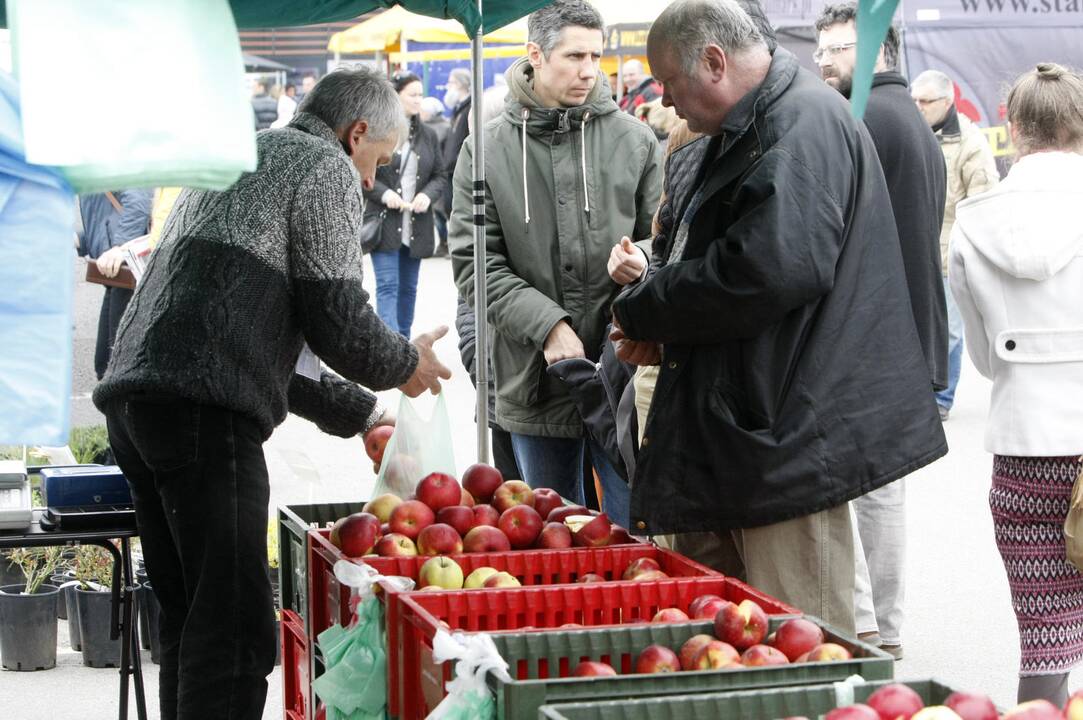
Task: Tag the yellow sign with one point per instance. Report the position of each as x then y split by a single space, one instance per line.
999 140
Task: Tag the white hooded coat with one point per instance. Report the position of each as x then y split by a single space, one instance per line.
1016 272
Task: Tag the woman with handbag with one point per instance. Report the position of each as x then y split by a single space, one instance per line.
1016 271
399 227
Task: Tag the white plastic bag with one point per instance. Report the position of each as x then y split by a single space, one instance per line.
468 695
133 93
417 448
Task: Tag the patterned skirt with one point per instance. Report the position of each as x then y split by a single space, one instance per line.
1029 500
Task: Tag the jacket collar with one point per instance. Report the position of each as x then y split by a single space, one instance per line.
888 77
309 123
949 126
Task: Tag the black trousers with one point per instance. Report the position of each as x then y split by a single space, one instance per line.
114 303
200 487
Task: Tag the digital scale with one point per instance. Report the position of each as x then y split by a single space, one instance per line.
86 497
16 507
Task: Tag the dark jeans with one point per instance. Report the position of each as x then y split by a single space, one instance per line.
504 454
199 482
114 303
396 288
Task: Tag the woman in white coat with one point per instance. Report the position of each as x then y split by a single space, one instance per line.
1016 272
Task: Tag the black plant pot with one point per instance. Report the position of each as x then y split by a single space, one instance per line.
28 628
62 597
148 621
75 636
95 615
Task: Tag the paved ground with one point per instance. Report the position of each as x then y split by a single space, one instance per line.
959 627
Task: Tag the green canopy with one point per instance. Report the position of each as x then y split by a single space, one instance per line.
283 13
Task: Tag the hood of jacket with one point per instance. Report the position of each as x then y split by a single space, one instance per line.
523 103
1028 225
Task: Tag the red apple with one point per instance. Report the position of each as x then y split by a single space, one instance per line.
481 481
797 636
502 580
715 655
590 531
486 515
512 493
638 566
691 649
759 655
376 441
355 535
649 575
546 500
707 607
395 545
1073 709
459 517
742 626
522 524
853 712
410 518
564 512
382 505
555 536
975 706
657 659
439 539
467 499
590 578
942 712
385 529
896 702
620 536
670 615
484 539
1033 710
440 571
588 668
401 471
439 490
828 652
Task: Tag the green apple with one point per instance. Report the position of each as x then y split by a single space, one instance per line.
477 578
442 571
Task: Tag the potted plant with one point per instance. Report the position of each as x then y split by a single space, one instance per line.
28 612
93 605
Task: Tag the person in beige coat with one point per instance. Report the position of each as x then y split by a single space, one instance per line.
971 171
1016 269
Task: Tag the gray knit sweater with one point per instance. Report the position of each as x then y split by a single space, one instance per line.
242 278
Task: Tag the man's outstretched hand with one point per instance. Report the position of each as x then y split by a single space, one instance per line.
429 370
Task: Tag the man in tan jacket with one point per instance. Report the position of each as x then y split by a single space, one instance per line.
971 171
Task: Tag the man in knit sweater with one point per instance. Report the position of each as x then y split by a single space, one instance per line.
203 369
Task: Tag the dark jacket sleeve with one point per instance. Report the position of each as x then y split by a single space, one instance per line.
325 260
464 326
336 406
779 254
134 219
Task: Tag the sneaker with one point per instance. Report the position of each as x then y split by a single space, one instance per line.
944 412
894 651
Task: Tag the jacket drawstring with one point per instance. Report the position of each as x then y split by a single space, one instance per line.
526 195
583 148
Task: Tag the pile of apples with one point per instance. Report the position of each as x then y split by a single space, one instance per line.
900 702
483 514
740 641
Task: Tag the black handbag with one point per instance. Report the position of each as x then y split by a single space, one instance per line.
370 231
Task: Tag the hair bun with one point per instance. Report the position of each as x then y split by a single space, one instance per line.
1050 71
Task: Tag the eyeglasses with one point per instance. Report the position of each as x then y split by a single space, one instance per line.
831 50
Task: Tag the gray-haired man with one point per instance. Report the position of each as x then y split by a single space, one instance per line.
203 369
779 319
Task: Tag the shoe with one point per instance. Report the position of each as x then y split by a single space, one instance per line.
894 651
944 412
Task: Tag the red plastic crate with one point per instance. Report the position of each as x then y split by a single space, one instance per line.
329 601
295 680
421 614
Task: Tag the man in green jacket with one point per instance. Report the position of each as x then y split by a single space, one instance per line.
568 176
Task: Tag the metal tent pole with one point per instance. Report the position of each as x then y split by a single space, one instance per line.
481 318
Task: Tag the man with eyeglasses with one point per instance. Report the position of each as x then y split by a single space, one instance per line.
916 179
972 170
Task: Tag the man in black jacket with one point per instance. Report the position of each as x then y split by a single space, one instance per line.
457 97
917 183
791 379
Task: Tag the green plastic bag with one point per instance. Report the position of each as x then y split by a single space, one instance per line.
417 448
475 656
354 686
133 93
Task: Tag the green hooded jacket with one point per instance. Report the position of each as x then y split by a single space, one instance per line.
557 200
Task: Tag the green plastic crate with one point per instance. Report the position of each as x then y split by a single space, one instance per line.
294 522
764 704
544 657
